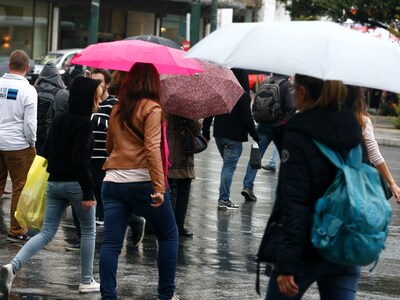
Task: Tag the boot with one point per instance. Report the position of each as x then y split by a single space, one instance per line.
182 202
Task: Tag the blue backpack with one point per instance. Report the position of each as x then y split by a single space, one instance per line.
351 221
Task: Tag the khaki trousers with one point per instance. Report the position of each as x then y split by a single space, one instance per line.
17 164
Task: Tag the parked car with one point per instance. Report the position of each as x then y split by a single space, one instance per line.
60 58
255 80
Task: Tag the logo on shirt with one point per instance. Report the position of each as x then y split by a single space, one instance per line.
10 94
284 156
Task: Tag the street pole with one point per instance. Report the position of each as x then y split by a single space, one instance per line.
94 22
214 10
195 22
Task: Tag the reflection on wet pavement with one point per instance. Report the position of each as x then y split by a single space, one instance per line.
217 263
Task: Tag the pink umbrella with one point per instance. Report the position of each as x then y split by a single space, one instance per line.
212 92
121 55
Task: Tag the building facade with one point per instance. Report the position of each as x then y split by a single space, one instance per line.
38 26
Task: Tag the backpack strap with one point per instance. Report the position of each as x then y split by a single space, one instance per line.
53 91
351 158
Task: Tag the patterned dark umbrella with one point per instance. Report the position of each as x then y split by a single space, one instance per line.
156 40
212 92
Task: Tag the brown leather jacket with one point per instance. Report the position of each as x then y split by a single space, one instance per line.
128 151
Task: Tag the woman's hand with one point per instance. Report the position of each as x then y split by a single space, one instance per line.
158 199
396 192
287 286
88 204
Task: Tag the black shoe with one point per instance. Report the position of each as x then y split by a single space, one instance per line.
269 168
18 238
73 247
248 194
226 204
185 232
137 228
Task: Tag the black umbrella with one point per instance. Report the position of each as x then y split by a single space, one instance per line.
156 40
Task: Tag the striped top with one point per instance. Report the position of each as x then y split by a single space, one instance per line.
100 126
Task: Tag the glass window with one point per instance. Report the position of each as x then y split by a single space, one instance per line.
51 58
40 36
174 28
16 27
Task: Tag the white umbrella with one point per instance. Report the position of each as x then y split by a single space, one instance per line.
321 49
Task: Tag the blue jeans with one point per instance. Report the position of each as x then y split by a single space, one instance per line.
230 152
274 158
265 133
58 196
119 201
334 281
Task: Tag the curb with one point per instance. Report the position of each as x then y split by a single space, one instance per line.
392 142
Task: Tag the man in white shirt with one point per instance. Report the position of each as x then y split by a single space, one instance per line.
18 107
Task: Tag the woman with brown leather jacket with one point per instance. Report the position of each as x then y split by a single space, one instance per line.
135 179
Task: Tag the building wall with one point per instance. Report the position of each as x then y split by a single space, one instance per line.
271 10
28 24
140 23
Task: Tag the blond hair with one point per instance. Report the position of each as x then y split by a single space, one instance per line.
321 93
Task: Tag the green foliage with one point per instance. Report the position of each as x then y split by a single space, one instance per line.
396 119
370 12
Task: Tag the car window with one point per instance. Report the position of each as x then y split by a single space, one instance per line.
50 58
67 59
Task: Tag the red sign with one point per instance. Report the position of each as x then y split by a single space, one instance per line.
186 45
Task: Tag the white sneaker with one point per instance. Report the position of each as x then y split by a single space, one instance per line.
6 278
93 287
175 297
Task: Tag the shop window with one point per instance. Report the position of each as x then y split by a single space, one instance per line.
16 27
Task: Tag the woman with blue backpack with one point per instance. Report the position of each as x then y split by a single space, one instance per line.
305 175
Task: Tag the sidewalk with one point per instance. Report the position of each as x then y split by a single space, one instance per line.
218 263
385 132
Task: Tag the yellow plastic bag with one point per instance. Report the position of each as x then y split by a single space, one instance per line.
30 208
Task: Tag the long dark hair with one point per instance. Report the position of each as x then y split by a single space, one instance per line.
142 81
357 104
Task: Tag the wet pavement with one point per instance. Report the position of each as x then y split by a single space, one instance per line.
217 263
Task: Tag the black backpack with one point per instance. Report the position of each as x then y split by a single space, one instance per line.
267 106
45 113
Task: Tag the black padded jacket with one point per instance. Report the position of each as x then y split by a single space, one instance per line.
304 176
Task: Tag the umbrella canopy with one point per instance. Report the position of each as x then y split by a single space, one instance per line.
156 40
321 49
212 92
121 55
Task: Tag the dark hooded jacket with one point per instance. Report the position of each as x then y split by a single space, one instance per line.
69 144
49 86
239 123
49 79
305 174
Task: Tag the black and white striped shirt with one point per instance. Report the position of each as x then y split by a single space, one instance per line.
100 126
